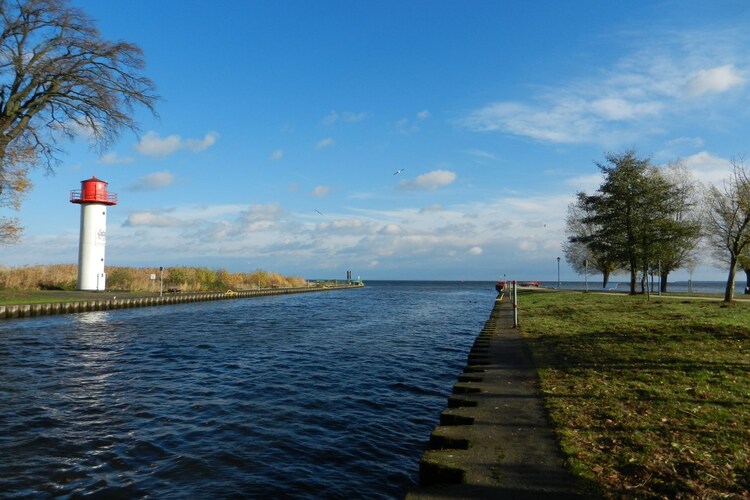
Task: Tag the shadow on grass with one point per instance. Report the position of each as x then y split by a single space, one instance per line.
648 406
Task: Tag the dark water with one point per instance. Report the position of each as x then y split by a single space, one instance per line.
323 395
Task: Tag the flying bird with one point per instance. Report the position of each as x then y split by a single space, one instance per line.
398 171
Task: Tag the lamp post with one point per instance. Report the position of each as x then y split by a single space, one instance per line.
558 273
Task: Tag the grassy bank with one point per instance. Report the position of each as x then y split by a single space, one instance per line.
648 399
10 297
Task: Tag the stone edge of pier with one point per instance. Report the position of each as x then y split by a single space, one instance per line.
494 439
12 311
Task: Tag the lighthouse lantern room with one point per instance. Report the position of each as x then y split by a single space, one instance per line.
94 200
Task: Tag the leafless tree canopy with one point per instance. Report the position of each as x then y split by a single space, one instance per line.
729 220
58 76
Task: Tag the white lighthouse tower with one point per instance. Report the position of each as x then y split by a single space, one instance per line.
94 200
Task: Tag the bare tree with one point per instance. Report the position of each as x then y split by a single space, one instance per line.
728 220
677 250
58 76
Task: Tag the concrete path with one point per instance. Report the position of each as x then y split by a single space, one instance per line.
494 439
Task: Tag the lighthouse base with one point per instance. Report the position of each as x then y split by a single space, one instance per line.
95 283
91 248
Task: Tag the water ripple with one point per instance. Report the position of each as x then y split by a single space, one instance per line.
305 396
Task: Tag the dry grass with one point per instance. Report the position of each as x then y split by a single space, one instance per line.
188 279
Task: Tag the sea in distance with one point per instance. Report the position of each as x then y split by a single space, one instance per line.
318 395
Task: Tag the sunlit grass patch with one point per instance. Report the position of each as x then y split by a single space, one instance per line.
648 398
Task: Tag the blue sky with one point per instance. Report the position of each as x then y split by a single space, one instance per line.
283 122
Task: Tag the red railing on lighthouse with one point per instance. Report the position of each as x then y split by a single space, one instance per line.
93 191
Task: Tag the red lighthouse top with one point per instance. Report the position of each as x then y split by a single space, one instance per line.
93 191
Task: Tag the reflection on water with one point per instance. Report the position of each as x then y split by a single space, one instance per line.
94 318
329 394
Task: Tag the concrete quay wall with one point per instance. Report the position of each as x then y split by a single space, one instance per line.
46 309
494 439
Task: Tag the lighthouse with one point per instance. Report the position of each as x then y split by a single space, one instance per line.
94 200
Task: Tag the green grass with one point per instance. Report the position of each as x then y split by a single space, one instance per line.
13 297
649 399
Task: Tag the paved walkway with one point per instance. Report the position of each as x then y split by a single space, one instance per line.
494 439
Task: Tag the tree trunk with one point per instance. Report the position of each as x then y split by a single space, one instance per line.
633 278
663 280
729 292
747 281
644 279
605 279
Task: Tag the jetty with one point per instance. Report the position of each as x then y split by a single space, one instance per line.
111 301
494 439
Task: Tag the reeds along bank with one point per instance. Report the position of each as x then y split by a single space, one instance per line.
189 279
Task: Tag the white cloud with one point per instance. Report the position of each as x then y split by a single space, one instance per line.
402 125
541 208
348 226
115 159
587 183
707 168
153 182
197 145
559 122
429 181
346 117
443 238
435 207
324 143
321 191
391 229
694 142
635 97
715 80
277 155
406 126
258 218
482 155
152 219
152 144
617 108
